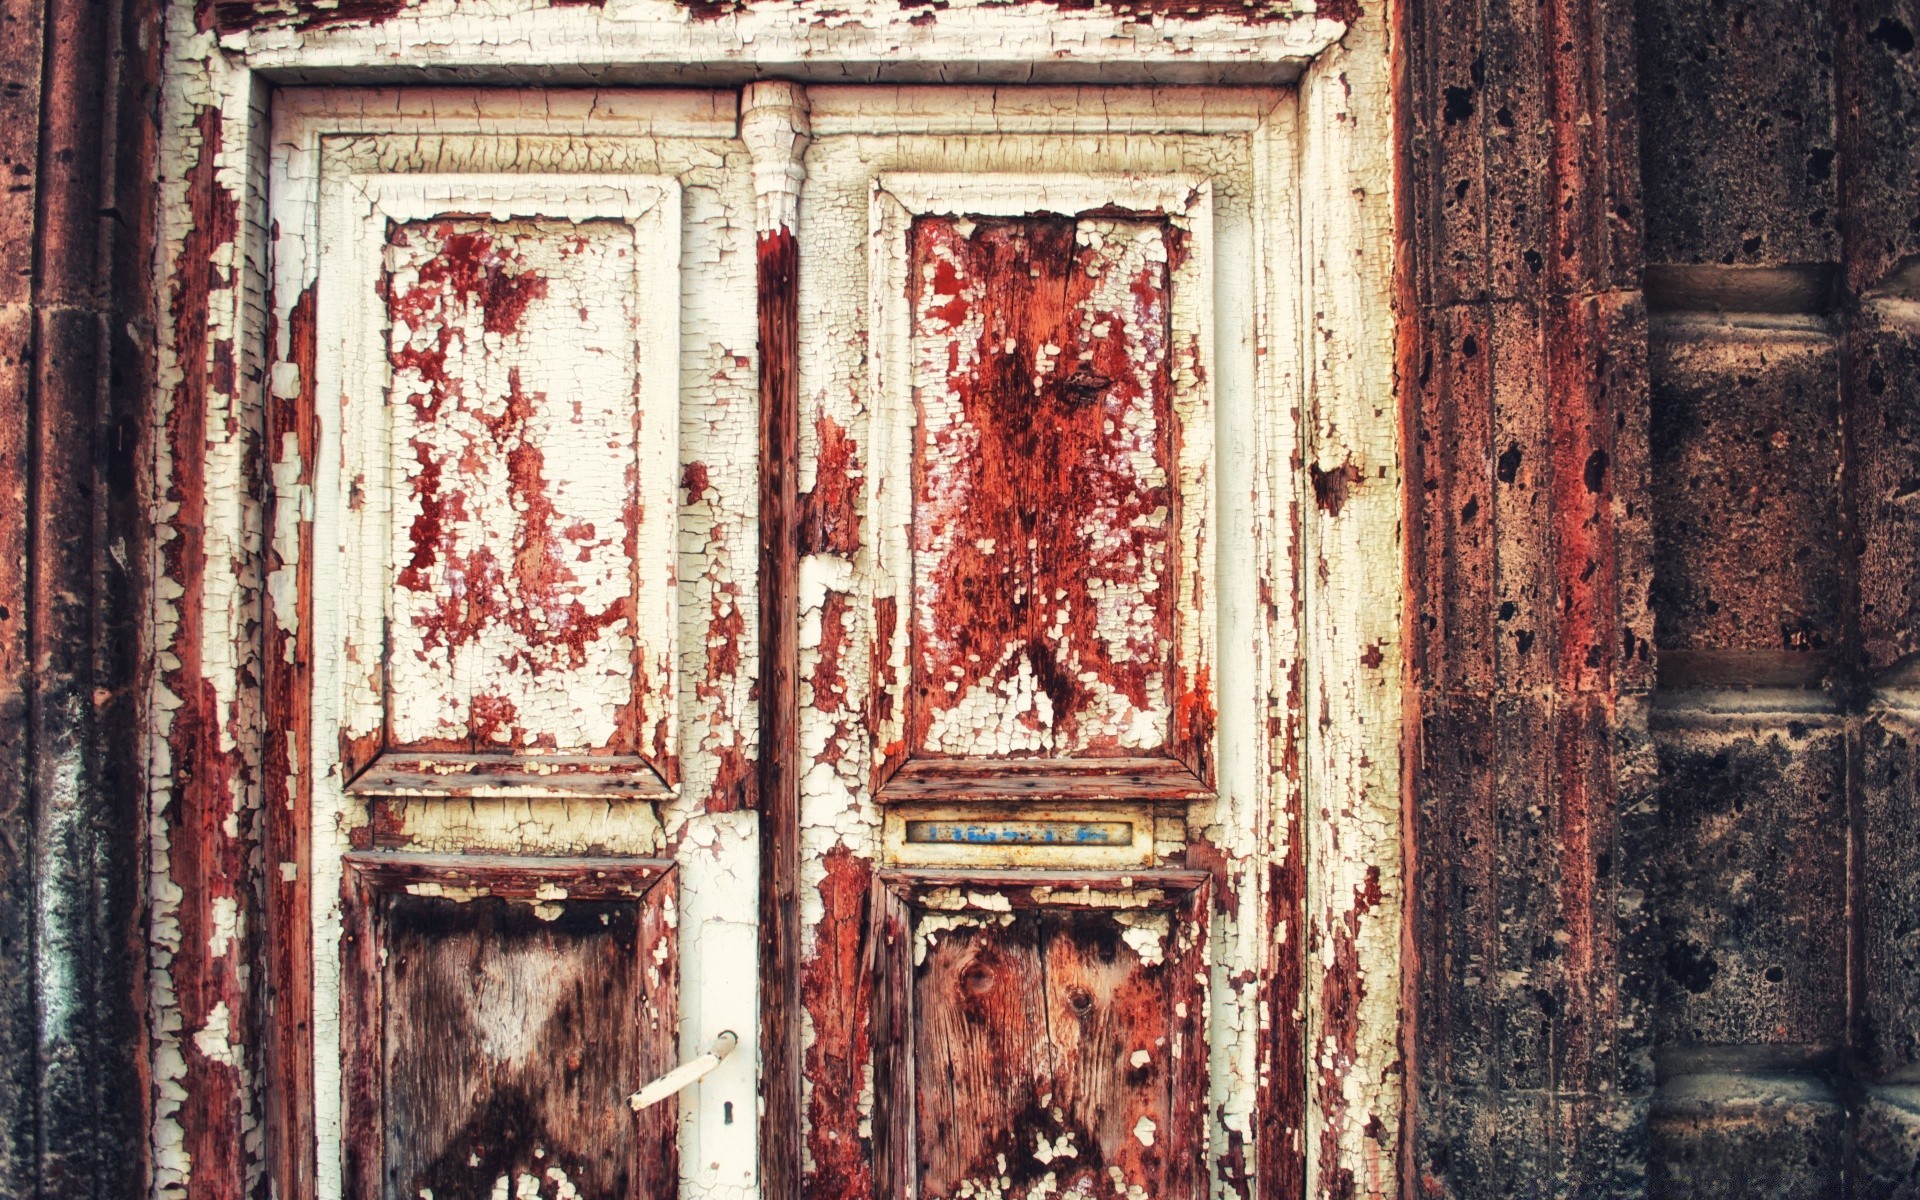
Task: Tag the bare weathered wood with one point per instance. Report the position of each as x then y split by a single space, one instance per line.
1042 1028
499 1011
774 125
779 788
286 833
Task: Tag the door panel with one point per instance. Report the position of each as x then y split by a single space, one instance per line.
1043 1034
508 446
1025 316
522 325
498 1014
1042 482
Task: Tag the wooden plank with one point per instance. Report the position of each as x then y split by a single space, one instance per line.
286 830
773 123
1043 780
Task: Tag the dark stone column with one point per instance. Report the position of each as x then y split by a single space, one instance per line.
77 83
1523 371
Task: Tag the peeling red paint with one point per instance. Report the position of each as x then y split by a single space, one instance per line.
1342 987
207 864
1043 508
286 823
734 781
829 514
497 564
1193 721
473 588
837 986
1250 12
693 478
830 686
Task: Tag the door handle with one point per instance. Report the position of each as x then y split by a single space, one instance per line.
687 1072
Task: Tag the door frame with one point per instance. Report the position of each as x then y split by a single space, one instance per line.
224 511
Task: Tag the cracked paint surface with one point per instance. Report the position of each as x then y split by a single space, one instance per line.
514 623
1042 504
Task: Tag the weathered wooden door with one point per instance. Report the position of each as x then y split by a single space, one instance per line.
1042 751
1017 912
515 395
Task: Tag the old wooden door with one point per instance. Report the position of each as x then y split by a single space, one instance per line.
1042 767
1014 914
515 395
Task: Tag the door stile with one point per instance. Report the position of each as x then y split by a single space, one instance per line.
774 126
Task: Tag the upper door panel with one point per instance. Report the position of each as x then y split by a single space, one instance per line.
1041 394
509 444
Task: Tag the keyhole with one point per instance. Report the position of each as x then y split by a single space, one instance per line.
726 1112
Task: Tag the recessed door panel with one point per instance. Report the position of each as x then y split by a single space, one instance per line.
500 1013
1022 326
1047 1036
509 449
1043 515
518 592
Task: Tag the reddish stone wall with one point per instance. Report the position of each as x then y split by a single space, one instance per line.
76 139
1523 360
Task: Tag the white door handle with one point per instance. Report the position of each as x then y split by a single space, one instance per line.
687 1072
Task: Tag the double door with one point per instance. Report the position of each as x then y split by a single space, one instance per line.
796 564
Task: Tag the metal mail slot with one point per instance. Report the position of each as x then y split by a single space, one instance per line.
1020 833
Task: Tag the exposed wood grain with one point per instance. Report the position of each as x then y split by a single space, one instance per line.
774 125
500 1011
286 835
201 854
1040 1030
